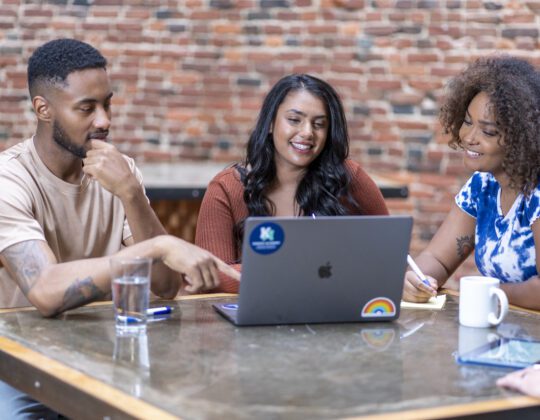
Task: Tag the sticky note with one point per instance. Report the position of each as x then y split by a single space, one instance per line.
436 303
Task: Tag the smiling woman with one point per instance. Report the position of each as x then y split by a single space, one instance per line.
492 112
296 165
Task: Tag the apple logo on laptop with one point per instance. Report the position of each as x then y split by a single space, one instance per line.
325 271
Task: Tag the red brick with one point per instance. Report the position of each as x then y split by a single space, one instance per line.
383 84
444 44
228 28
412 125
444 71
422 58
378 70
519 18
208 15
397 17
7 61
94 26
306 16
162 66
158 156
425 85
380 30
403 43
526 44
138 14
34 13
8 13
400 98
128 26
322 29
409 70
480 32
474 4
453 31
103 13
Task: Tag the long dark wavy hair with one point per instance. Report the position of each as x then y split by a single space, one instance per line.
513 88
324 188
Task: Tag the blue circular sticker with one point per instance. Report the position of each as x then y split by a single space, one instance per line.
266 238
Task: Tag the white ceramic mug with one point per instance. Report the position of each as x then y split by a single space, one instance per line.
479 298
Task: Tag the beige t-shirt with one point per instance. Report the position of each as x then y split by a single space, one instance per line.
77 221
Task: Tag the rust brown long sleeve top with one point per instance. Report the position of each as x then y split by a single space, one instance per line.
223 207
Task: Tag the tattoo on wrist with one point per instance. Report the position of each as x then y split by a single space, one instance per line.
465 244
25 261
80 293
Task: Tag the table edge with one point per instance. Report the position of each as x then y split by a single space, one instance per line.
84 383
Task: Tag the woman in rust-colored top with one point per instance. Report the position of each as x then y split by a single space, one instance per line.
296 165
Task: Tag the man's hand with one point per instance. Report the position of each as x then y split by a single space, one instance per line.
107 166
200 267
416 291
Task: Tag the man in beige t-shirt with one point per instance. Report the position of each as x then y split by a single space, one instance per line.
69 199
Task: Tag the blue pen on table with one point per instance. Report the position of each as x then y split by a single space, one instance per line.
417 271
153 312
160 310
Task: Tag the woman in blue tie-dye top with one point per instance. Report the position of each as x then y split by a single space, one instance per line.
492 112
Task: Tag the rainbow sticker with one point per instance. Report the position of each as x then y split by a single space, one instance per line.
379 307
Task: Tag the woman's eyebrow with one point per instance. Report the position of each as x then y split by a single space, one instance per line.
483 122
303 114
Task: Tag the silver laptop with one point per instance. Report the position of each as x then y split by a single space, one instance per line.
329 269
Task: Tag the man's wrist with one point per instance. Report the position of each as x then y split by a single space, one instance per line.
160 245
132 191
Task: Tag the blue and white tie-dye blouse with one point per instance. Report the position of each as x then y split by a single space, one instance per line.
504 245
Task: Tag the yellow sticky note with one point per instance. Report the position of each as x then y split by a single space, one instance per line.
436 302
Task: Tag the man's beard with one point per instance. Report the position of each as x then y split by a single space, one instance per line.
62 139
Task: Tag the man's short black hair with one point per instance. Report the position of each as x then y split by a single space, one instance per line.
54 61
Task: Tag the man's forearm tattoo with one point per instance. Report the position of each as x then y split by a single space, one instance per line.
465 244
79 293
25 261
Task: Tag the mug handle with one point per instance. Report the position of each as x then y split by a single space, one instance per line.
503 300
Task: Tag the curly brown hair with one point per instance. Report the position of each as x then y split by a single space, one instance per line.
513 88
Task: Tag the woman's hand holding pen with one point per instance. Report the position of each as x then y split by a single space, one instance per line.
415 290
418 287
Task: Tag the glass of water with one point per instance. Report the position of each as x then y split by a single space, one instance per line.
130 292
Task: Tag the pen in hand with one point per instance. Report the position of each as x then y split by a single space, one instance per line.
418 272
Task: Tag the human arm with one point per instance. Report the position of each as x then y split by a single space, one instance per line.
451 245
527 294
54 287
216 223
109 167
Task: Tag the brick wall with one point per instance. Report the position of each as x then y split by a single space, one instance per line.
189 75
